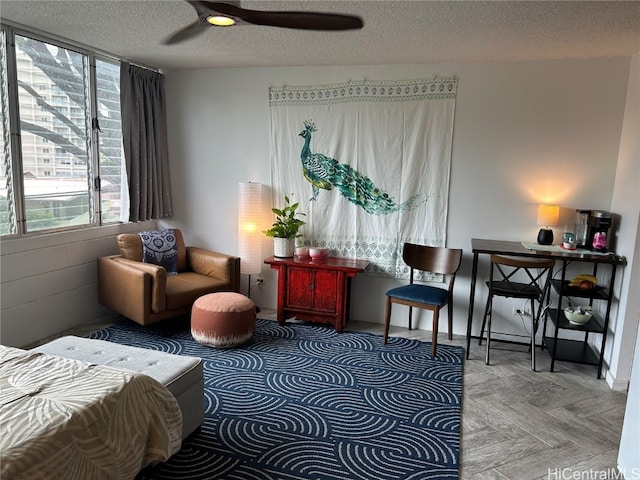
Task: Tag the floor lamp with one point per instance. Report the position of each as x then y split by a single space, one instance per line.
249 235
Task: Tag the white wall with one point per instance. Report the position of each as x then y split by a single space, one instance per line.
627 197
629 451
626 202
524 133
49 282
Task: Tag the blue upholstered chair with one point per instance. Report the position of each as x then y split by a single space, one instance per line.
439 260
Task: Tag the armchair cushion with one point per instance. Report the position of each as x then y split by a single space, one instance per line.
187 287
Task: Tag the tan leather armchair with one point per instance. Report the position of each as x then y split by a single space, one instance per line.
145 293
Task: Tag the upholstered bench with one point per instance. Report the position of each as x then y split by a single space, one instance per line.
223 319
181 375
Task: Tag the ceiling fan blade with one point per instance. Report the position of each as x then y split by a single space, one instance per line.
186 33
303 20
298 20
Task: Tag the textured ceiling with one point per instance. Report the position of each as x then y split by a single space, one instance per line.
395 32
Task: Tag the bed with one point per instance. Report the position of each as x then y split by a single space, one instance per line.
62 418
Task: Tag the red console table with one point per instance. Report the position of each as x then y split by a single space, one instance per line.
315 290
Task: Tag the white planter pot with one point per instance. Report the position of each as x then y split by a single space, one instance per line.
284 247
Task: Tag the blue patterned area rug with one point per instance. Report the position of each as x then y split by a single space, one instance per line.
302 402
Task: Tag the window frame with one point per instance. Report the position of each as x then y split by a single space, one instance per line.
12 124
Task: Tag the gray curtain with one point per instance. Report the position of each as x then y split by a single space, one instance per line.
144 132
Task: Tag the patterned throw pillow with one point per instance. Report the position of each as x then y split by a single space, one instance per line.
159 248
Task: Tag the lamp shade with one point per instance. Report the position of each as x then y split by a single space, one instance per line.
548 215
249 236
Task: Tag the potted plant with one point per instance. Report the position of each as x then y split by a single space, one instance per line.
285 229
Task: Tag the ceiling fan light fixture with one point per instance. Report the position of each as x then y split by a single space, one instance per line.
220 20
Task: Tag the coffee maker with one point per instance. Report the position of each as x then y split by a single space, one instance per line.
598 231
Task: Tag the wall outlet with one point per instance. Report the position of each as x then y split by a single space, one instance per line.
520 311
259 281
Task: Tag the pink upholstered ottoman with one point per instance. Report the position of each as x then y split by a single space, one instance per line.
223 319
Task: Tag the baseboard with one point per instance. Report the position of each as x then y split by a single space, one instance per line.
617 384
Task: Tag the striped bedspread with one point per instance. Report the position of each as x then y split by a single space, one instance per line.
66 419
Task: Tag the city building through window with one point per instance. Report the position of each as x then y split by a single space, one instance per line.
82 183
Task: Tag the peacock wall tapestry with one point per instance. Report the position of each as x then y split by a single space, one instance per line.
369 163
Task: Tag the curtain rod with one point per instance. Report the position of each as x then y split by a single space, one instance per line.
44 36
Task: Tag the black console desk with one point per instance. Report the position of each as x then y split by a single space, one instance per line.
559 349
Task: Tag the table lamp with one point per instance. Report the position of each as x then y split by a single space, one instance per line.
547 215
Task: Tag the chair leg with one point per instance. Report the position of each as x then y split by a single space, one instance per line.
387 319
535 321
533 339
489 308
450 318
410 316
484 321
434 333
535 316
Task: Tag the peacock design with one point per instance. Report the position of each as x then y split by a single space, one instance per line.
325 173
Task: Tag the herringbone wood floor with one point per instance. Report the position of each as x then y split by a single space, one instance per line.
518 424
524 425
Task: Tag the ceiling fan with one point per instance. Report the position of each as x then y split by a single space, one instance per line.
226 14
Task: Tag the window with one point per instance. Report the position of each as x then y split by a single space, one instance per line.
82 125
111 157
